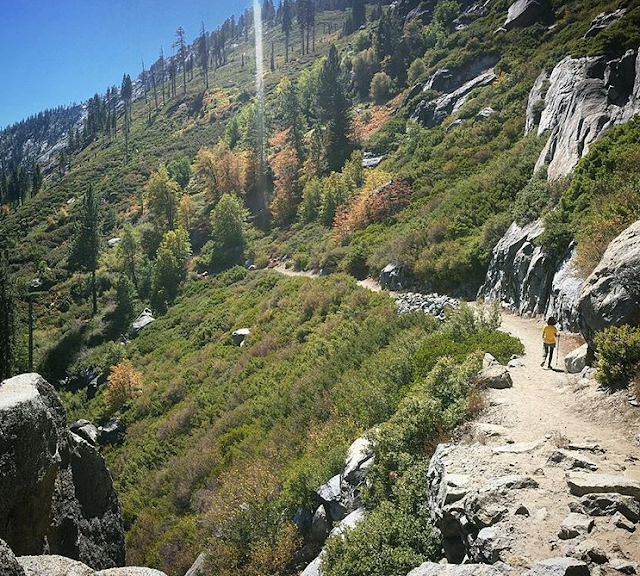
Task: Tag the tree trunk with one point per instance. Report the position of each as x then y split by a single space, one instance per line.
94 293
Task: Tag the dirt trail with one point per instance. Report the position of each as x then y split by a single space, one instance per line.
524 425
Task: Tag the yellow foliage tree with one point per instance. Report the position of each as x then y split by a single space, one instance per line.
162 195
125 383
223 171
287 192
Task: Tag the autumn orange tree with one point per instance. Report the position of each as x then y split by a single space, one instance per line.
125 382
223 171
286 170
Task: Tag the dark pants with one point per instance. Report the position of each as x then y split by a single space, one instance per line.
548 351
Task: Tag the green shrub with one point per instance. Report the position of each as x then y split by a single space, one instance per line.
391 540
532 200
380 87
617 355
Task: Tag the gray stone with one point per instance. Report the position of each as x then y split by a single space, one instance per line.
320 526
9 566
559 567
349 522
131 571
581 484
589 551
608 504
520 272
586 97
623 566
520 448
360 451
571 461
490 544
143 320
85 430
392 277
433 569
619 521
603 20
240 336
55 486
575 525
488 360
576 360
535 103
313 569
611 294
53 565
566 287
496 377
198 568
523 13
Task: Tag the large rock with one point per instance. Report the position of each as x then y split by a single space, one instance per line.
586 97
53 565
559 567
55 487
576 361
575 524
360 451
433 569
392 277
565 291
524 13
496 376
606 504
611 295
520 273
535 102
130 571
198 567
9 566
581 484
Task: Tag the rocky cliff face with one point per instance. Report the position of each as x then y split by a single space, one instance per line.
585 97
57 494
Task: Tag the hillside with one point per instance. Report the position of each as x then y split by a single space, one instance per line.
451 148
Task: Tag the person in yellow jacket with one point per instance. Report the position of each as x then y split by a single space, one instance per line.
549 336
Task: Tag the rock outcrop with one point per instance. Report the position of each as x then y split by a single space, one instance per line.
456 86
53 565
603 20
523 13
520 273
9 565
585 97
576 360
55 487
565 291
611 294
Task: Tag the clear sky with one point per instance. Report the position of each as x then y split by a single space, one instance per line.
56 52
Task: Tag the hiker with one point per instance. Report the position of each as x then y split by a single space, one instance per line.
549 337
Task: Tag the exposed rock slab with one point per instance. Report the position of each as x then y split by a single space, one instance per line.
586 97
571 461
564 293
53 565
611 295
432 569
9 565
581 484
607 504
523 13
603 20
559 567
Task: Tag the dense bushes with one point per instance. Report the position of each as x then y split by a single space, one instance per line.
617 355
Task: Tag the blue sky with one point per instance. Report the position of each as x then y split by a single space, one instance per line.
56 52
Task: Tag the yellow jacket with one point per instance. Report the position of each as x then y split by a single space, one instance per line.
549 334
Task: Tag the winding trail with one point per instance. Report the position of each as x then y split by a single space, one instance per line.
543 411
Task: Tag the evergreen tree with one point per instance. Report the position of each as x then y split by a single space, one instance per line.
358 13
7 319
181 45
128 251
203 55
36 178
287 25
161 61
333 105
125 296
163 195
170 267
86 245
290 109
302 21
228 230
126 93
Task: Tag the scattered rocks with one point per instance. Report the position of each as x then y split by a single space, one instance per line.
570 461
435 304
523 13
576 360
496 377
581 484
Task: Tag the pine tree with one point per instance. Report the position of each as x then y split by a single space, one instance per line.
302 21
203 55
273 57
181 45
358 14
161 59
126 93
7 319
333 105
36 178
86 246
287 25
290 110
